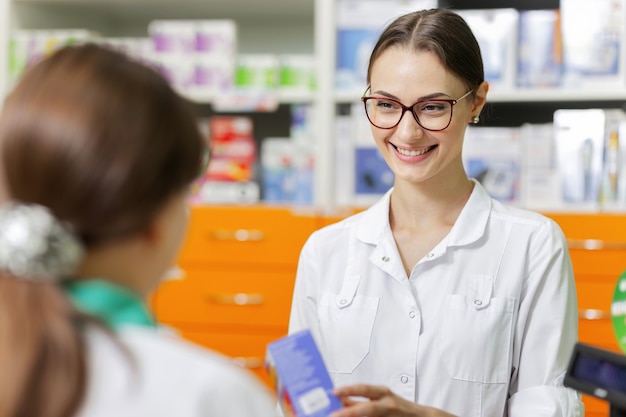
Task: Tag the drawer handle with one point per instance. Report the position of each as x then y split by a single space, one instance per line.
239 235
595 244
240 299
594 314
248 362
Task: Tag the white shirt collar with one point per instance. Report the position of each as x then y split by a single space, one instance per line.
468 228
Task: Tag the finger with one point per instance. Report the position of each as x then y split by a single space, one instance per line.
360 409
373 392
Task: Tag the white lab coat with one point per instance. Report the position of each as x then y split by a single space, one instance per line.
159 375
484 327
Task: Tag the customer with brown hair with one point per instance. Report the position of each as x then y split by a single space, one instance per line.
96 155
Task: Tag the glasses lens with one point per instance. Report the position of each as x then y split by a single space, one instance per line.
433 115
383 113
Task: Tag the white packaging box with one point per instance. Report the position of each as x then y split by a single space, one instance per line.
227 192
491 155
197 56
594 43
621 181
174 46
278 169
296 73
539 184
215 56
344 160
256 72
359 24
613 186
540 53
580 137
27 46
496 31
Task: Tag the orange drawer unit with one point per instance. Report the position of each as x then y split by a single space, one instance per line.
232 286
597 246
261 236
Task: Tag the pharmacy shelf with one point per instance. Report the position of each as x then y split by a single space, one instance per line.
557 95
268 26
527 95
279 97
167 9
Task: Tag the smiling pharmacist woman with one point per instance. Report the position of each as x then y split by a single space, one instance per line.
96 155
454 302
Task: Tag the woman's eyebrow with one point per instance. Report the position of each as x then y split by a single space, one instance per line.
426 97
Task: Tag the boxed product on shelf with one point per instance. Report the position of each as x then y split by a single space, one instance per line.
256 72
221 192
496 31
344 160
233 149
174 47
539 184
540 54
613 187
277 170
229 176
287 168
594 43
28 46
215 55
302 123
359 23
197 56
372 175
491 155
581 137
296 73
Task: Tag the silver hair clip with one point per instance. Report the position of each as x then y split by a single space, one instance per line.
34 244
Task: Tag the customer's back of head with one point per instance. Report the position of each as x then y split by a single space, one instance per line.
96 154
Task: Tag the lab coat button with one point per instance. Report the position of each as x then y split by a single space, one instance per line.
404 379
430 255
478 302
343 301
385 258
412 314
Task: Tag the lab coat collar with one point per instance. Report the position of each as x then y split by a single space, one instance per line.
375 221
468 228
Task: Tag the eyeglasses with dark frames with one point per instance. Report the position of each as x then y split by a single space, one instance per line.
432 114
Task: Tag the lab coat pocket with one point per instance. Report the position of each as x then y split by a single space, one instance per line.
475 338
346 329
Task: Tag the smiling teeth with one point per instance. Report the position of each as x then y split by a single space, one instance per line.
413 153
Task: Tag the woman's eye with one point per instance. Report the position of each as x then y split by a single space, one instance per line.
387 105
431 107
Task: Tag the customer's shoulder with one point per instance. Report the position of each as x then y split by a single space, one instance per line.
166 345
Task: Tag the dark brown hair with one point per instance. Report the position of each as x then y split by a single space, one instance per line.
103 142
440 31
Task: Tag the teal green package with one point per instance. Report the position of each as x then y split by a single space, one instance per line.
618 312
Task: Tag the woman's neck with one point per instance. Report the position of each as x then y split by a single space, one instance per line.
433 203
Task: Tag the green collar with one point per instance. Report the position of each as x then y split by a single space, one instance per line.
109 302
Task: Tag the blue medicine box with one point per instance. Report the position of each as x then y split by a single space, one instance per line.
297 370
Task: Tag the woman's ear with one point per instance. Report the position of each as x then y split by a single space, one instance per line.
152 233
480 98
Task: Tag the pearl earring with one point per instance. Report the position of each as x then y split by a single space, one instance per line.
476 119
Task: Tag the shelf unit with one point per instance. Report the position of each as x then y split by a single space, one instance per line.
296 26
